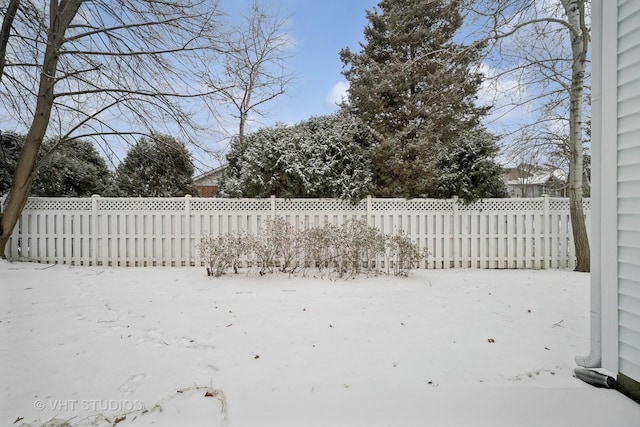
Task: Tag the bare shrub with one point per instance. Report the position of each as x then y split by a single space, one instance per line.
350 249
316 246
288 243
224 251
239 244
402 254
265 252
215 250
356 246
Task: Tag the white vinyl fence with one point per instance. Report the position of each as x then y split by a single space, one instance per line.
491 233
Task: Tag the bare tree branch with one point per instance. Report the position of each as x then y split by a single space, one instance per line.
5 31
73 66
254 69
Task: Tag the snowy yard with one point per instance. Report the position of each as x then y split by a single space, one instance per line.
441 348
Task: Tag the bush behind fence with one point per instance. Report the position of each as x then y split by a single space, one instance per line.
489 233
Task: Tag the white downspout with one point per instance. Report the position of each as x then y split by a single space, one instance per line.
594 358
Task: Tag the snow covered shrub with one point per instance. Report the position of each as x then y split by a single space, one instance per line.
402 254
326 156
316 246
224 251
280 245
239 244
265 252
216 252
356 246
288 243
350 249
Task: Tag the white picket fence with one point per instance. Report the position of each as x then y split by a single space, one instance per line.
491 233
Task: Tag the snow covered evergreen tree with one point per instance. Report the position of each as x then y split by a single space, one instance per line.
326 156
10 146
415 86
72 169
467 169
158 166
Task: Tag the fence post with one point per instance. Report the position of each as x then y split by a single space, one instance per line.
545 231
368 210
187 229
273 206
94 229
454 230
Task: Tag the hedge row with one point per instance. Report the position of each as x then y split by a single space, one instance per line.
349 249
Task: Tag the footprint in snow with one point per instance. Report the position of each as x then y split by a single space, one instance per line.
154 337
132 384
191 343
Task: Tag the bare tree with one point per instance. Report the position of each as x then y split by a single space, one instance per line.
575 10
254 65
541 47
97 69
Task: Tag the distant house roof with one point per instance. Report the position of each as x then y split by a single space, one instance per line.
211 177
539 178
533 175
533 181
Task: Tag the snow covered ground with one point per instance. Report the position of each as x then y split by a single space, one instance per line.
170 346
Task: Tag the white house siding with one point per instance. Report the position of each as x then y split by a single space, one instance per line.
628 187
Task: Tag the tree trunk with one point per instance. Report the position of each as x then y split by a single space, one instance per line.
23 176
575 10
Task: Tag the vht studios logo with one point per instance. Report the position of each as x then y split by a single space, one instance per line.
89 405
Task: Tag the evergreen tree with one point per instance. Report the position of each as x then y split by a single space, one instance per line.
159 166
468 169
415 86
10 145
73 168
324 156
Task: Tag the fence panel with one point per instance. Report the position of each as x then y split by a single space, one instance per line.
490 233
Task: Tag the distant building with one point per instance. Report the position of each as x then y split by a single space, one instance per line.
527 180
208 183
